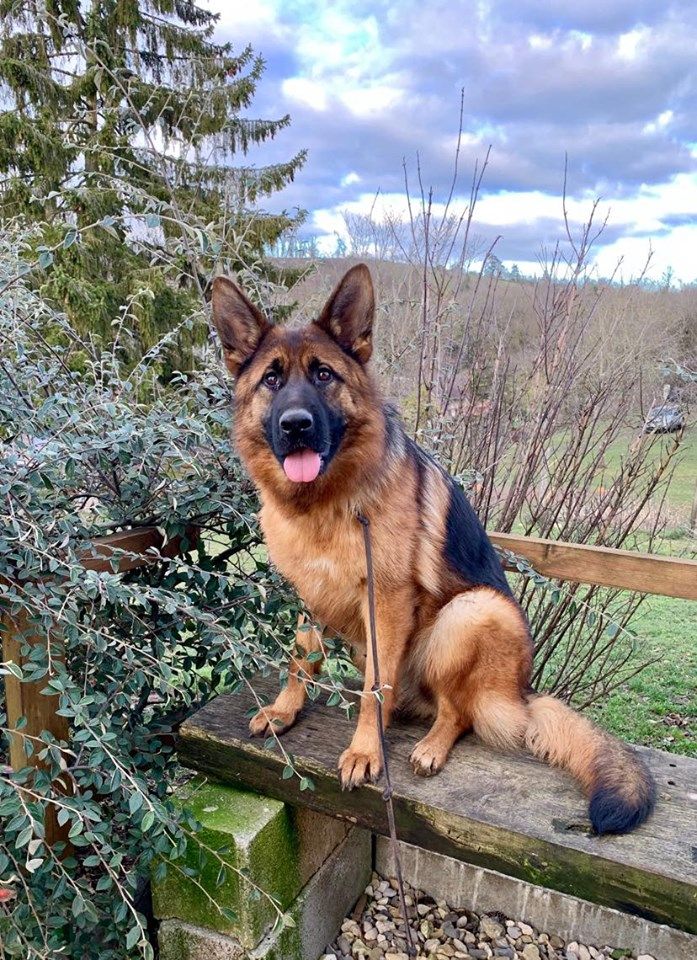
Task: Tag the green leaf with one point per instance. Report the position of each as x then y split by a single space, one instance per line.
24 836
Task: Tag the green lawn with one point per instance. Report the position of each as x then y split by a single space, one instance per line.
659 706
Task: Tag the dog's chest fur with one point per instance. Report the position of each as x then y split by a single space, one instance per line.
322 555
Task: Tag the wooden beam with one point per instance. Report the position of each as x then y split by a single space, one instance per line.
604 566
24 699
506 813
144 543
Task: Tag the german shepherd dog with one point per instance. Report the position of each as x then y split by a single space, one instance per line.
454 646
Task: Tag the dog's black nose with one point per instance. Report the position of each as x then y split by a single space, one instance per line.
296 421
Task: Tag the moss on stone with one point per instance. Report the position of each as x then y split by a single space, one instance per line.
256 838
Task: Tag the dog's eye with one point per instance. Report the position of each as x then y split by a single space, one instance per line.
324 374
272 379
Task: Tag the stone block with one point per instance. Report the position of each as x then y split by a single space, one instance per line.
266 848
316 914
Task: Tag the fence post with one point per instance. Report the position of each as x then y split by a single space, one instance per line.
24 699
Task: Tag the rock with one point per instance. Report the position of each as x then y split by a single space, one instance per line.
423 909
328 956
515 933
490 928
531 952
645 956
526 930
583 952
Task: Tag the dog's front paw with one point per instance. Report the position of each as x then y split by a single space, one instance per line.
359 765
428 757
271 720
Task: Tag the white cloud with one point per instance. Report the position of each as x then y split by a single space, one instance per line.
307 92
369 83
629 44
644 217
246 20
660 123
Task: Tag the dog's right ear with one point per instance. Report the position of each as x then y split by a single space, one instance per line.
239 324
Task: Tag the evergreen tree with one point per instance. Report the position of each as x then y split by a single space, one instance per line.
120 121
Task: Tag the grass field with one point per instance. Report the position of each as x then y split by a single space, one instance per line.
659 706
684 480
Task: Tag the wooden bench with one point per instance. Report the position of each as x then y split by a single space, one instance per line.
508 813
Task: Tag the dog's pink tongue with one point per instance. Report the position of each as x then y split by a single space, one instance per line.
303 466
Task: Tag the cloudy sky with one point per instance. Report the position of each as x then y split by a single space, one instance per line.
610 83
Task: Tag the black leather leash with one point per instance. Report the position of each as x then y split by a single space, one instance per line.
376 688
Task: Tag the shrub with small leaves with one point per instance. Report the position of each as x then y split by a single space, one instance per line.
86 450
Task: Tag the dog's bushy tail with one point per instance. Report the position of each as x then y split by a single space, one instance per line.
618 783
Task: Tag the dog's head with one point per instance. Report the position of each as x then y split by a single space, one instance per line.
303 397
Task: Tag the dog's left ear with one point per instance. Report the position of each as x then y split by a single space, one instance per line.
348 314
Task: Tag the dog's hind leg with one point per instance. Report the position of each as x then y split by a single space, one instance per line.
283 712
476 663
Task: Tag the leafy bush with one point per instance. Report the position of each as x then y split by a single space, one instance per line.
86 450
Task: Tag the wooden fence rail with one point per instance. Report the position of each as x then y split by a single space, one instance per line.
605 567
565 561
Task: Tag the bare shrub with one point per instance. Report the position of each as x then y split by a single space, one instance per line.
533 395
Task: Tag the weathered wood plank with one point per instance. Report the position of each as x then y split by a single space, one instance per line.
626 569
507 813
140 542
24 699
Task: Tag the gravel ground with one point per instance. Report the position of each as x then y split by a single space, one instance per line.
375 931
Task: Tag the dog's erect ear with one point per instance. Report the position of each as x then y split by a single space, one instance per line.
348 314
239 324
